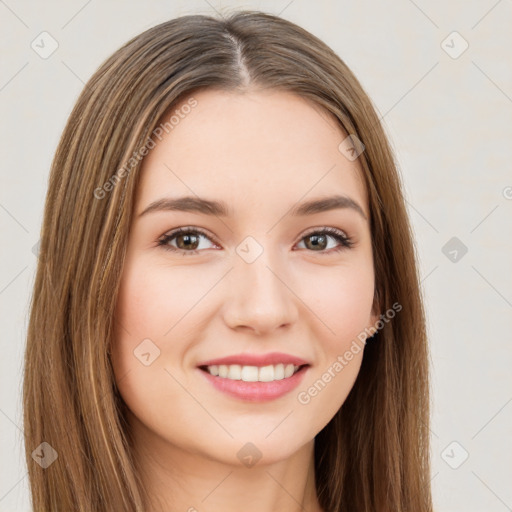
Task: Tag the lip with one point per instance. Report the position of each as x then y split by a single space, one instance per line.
257 360
256 391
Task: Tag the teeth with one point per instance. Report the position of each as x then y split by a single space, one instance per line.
249 374
253 373
289 370
266 373
234 372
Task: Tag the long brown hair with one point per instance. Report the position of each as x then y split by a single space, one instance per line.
374 454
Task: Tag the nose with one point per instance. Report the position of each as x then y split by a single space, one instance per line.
261 299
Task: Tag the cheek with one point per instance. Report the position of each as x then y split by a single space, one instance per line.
341 298
155 310
152 301
141 320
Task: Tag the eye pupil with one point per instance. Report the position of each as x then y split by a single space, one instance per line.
315 241
187 244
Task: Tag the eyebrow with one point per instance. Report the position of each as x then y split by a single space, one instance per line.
221 209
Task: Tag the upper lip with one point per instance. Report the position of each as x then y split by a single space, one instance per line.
272 358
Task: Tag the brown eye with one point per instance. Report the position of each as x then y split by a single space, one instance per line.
318 241
187 240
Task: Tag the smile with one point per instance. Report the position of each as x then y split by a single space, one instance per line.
268 373
247 383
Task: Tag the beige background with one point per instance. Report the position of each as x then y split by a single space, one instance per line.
449 120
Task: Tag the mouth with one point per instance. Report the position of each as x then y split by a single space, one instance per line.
269 373
253 377
254 383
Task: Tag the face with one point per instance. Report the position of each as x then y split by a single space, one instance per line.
253 293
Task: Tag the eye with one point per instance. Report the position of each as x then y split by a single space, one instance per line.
318 240
188 240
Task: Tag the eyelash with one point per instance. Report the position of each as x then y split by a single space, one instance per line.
346 242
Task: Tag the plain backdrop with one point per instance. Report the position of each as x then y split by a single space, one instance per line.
438 72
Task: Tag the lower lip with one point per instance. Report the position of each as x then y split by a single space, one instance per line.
256 391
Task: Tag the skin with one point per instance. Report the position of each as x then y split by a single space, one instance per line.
262 153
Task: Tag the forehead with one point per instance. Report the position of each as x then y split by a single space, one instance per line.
251 149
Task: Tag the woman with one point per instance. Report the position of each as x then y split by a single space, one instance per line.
226 312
